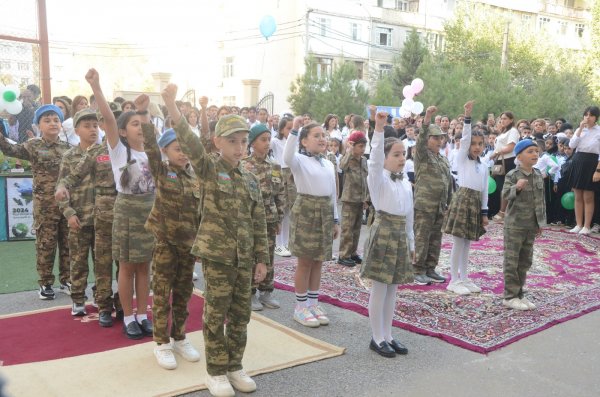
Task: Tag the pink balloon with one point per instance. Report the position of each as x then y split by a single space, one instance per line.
417 85
408 92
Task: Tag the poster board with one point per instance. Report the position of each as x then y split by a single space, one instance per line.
19 208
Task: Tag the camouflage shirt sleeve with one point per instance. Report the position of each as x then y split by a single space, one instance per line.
18 150
261 242
509 190
345 160
65 204
152 151
83 168
192 147
421 145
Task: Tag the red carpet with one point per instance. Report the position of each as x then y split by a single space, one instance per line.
53 333
564 283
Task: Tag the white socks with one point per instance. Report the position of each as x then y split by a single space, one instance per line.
141 317
459 259
382 302
313 297
283 238
128 319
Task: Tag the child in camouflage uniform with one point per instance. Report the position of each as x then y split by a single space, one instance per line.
50 225
525 216
173 221
78 208
268 173
231 240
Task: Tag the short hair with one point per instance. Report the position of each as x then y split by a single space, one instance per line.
592 111
119 99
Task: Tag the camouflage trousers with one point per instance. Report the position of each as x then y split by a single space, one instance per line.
267 283
103 263
80 243
50 233
518 258
172 272
428 240
352 214
227 297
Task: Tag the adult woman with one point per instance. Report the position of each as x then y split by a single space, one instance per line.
79 103
503 155
193 119
331 124
585 171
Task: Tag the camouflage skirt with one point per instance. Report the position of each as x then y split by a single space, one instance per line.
290 188
464 215
311 229
387 258
131 242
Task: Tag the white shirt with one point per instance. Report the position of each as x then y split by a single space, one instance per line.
409 142
471 173
409 166
547 165
312 176
68 134
393 197
277 146
588 141
506 138
140 180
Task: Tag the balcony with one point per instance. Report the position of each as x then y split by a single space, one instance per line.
566 12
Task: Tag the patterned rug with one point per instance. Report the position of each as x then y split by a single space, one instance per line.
564 283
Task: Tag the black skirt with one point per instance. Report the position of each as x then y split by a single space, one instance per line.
582 171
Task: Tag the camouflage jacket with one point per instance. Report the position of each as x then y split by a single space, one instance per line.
96 162
355 178
527 208
233 227
45 158
433 180
81 201
269 176
174 215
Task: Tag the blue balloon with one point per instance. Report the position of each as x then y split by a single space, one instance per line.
267 26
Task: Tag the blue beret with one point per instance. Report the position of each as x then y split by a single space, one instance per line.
45 109
256 131
166 138
524 144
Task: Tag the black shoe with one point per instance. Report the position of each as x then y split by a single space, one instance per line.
398 347
146 327
119 314
383 349
356 258
46 293
105 319
436 278
346 262
133 330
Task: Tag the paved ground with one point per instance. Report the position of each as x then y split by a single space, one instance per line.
561 361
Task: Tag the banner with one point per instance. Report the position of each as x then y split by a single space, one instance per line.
19 204
391 110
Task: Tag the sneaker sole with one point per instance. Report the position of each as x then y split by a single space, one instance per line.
65 291
307 323
433 280
257 309
243 389
45 298
270 306
421 283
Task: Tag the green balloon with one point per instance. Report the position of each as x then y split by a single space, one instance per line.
491 185
568 200
9 96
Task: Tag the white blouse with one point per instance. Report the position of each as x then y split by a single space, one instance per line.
393 197
472 174
313 176
588 141
506 138
277 146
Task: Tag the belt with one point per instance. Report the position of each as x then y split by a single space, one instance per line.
106 191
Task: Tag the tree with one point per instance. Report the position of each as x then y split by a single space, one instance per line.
303 91
384 93
593 59
405 67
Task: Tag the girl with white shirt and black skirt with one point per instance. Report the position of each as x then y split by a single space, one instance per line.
391 238
585 171
314 218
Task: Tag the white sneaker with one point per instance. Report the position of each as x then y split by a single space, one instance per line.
267 300
306 318
194 276
458 288
515 303
255 303
528 303
319 314
185 349
471 286
164 356
241 381
219 386
278 250
576 229
585 231
285 252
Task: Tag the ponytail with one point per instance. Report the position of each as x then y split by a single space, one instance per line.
125 177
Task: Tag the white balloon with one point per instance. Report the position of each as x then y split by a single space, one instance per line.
407 103
405 112
417 107
14 107
417 85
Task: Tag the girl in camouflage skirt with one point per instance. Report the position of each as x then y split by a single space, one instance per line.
391 237
314 219
467 215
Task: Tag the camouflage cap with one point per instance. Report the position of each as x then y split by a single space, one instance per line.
230 124
86 113
115 107
434 130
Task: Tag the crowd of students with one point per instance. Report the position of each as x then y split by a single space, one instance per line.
154 189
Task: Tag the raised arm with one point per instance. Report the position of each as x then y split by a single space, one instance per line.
377 157
17 150
110 123
152 150
205 129
465 141
291 145
421 145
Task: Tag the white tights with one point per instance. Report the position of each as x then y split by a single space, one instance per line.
382 303
283 237
459 259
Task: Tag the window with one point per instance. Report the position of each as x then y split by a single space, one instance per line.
23 66
570 3
229 100
526 19
579 29
383 37
4 65
401 5
562 27
228 67
360 67
384 70
324 26
323 67
544 22
355 31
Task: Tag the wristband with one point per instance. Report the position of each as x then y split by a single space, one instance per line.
336 221
294 132
484 212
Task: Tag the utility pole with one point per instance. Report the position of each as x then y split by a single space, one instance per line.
306 21
504 58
